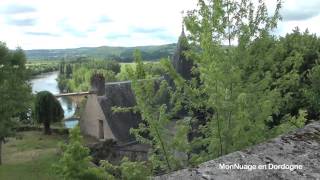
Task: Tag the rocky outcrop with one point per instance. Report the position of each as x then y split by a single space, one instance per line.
301 149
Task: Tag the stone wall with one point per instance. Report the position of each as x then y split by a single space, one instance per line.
54 130
89 121
301 147
114 153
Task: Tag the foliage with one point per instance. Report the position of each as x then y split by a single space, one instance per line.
156 122
312 92
237 83
241 102
295 67
77 78
140 72
126 70
134 170
127 170
68 71
257 88
113 66
75 162
36 68
47 110
188 99
15 92
153 103
291 123
154 69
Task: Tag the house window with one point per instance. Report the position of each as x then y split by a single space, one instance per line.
101 130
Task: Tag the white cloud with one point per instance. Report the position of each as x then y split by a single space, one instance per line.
298 13
75 23
79 23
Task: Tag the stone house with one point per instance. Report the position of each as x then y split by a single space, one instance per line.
98 120
101 123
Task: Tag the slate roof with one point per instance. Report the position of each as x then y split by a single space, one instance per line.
120 95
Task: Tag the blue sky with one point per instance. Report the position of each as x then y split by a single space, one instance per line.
43 24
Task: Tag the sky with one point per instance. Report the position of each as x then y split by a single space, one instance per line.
56 24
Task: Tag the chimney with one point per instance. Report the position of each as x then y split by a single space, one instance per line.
98 84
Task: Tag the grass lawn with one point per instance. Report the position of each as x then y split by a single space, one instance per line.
30 158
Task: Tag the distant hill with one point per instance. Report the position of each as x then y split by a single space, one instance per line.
123 54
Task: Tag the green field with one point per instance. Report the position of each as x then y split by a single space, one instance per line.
30 156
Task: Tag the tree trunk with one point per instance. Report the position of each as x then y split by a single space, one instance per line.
47 129
1 140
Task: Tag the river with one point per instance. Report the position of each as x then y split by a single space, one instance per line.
48 82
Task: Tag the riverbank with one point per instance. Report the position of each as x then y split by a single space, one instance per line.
41 67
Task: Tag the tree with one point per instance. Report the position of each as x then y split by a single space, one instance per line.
241 102
158 104
79 79
154 69
62 67
15 91
113 66
68 71
47 110
75 163
295 73
140 72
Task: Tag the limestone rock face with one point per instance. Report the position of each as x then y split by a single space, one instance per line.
301 147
